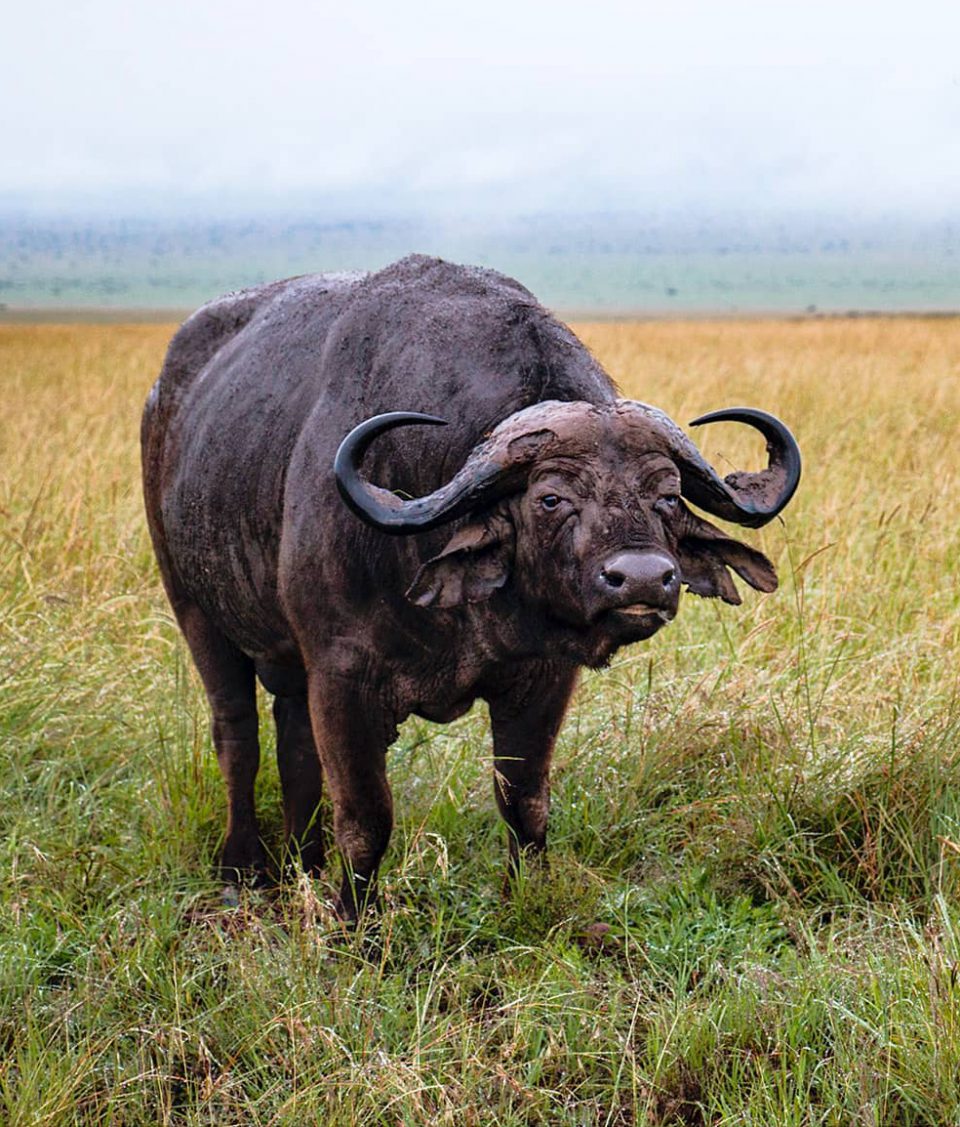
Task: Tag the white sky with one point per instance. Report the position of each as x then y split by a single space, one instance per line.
510 104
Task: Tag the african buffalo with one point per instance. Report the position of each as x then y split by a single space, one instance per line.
539 530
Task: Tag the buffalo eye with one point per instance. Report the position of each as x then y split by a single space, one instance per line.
550 501
667 506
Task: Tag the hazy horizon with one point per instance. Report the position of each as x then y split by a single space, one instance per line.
627 263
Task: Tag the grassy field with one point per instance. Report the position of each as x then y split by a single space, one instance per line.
762 805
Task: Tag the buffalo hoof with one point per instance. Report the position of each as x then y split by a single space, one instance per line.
598 937
244 863
298 863
230 896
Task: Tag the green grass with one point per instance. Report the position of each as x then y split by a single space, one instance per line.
751 914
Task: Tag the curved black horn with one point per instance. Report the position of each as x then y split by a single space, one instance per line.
390 513
750 499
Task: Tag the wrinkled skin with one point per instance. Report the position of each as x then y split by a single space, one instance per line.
351 629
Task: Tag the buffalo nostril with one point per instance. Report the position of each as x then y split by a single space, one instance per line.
636 577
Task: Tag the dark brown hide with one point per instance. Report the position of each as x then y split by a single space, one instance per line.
552 533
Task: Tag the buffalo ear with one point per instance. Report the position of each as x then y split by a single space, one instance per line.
704 556
474 563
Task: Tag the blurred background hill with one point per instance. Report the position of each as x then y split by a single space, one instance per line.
582 265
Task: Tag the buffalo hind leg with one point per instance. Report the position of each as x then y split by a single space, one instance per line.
352 735
301 779
525 721
228 677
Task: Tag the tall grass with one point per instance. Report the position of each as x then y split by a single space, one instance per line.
751 915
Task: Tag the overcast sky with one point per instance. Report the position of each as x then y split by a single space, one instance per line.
502 104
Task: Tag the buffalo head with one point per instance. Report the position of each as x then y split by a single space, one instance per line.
581 509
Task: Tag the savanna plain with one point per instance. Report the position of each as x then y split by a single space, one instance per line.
751 915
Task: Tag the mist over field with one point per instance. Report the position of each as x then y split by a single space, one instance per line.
620 263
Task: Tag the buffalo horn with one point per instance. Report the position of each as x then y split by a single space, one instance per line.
388 512
750 499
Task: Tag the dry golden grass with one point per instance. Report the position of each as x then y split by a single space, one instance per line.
871 538
69 449
875 406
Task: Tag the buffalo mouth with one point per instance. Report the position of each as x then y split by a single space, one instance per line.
638 610
617 620
634 622
643 610
621 626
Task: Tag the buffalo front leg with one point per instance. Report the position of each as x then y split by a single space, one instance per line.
228 677
301 780
525 722
352 734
